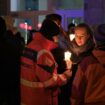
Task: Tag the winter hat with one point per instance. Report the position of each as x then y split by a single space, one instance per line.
49 29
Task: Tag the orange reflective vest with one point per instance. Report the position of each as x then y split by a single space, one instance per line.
39 78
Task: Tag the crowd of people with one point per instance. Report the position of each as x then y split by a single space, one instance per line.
39 74
11 45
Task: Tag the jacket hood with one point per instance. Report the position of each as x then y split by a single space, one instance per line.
100 55
45 43
49 29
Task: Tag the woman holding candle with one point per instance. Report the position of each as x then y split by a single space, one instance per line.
83 43
81 47
89 83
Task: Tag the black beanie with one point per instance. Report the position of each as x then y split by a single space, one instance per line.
49 29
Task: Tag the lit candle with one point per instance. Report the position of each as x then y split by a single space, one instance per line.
72 36
67 56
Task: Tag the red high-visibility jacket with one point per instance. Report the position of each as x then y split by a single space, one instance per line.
39 78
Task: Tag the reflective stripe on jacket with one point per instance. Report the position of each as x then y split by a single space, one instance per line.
39 78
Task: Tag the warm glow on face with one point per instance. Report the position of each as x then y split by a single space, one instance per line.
56 39
81 36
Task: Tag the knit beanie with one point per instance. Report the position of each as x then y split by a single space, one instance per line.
49 29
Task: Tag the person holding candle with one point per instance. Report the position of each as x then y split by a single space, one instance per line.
60 56
82 44
80 47
39 78
83 92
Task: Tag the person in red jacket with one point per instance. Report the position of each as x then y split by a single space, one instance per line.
39 78
88 86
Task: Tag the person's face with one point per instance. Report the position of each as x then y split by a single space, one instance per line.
81 36
55 39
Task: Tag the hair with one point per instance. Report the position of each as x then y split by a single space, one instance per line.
49 29
54 16
70 25
89 32
86 26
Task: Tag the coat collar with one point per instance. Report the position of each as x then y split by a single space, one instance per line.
45 43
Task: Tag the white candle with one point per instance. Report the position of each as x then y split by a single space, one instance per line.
67 55
72 36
